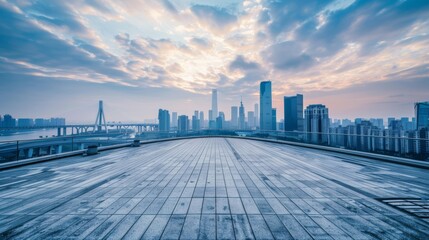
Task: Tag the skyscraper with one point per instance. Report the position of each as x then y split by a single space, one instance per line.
214 105
265 101
293 113
234 117
163 120
256 115
317 123
174 119
274 119
220 120
421 110
222 115
25 122
219 123
195 123
202 119
9 121
212 120
182 124
241 117
251 119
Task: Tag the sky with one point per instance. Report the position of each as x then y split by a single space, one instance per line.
360 58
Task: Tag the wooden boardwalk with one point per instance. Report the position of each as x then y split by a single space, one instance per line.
211 188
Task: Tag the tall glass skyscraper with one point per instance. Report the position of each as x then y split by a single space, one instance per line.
164 120
421 110
293 113
215 113
266 106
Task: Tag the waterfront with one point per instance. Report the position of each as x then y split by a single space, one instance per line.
26 134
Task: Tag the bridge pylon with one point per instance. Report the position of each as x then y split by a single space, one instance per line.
101 119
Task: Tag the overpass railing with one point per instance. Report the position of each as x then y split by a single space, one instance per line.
17 150
401 144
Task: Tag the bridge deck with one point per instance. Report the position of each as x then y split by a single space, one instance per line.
211 188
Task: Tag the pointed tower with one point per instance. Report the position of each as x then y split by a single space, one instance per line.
101 119
241 116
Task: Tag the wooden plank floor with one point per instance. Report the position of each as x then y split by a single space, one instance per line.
213 188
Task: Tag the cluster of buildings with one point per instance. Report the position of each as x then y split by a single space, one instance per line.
7 121
312 124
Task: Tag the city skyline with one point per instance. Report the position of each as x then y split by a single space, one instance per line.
230 115
360 58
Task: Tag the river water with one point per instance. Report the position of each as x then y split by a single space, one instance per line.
27 134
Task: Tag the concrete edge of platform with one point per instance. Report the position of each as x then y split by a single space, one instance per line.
392 159
385 158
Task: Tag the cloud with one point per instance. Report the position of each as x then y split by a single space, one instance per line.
213 17
413 72
285 16
169 6
28 45
201 42
240 63
288 56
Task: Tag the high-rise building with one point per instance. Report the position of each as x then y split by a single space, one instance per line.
210 115
346 122
9 121
265 101
202 125
222 115
212 120
281 125
163 120
256 115
389 120
293 113
60 121
195 123
214 105
182 124
25 122
251 119
241 117
174 119
316 123
421 110
234 117
358 120
40 122
220 121
274 119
